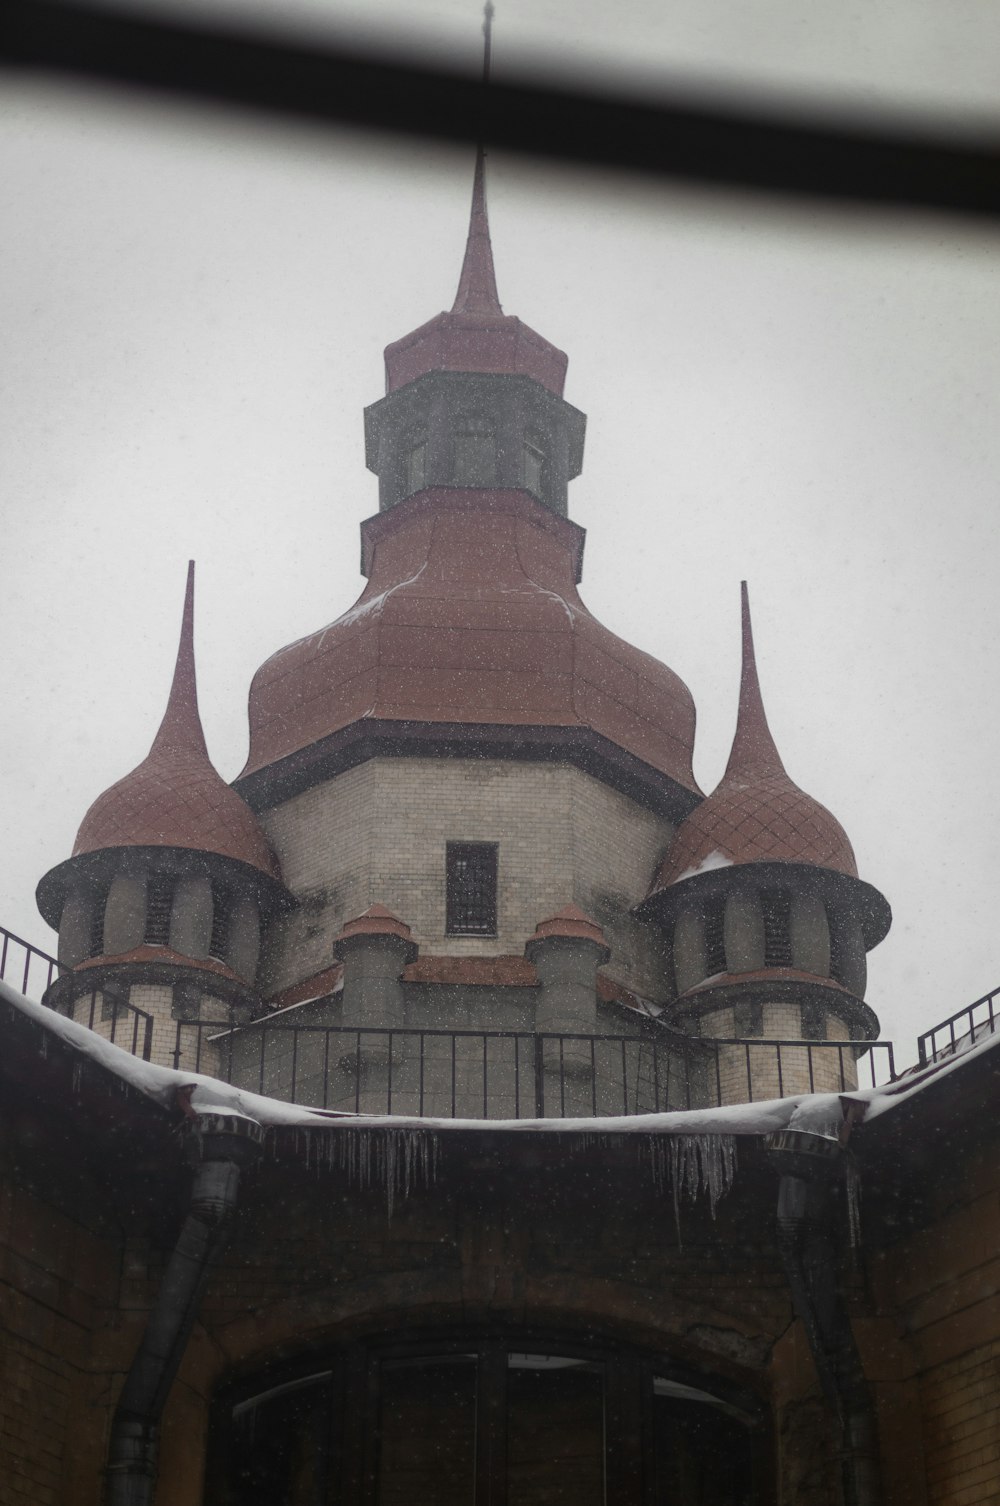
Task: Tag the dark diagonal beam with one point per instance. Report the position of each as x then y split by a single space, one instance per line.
745 149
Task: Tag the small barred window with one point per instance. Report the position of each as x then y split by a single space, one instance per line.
777 908
97 924
159 901
218 946
471 888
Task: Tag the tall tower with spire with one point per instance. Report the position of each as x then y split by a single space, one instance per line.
468 715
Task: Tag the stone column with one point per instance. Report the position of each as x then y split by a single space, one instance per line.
690 966
374 948
567 950
125 914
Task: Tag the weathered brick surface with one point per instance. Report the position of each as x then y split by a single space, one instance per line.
57 1281
377 833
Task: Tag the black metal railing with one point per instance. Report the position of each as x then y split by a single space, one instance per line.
101 1008
511 1074
964 1028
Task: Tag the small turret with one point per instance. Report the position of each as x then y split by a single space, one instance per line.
759 895
171 876
474 397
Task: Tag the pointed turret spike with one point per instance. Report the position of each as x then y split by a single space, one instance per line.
477 286
181 726
753 748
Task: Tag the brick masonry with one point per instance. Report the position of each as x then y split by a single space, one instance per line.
377 834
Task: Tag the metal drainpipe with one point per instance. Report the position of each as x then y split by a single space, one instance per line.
807 1241
221 1145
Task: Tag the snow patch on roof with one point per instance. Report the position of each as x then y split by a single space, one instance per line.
714 860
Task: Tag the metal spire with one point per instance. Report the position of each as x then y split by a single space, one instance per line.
477 286
181 730
754 752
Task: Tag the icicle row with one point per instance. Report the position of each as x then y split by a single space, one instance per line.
693 1164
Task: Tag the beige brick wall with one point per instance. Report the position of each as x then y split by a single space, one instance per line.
377 833
128 1030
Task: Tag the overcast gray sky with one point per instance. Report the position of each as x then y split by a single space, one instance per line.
193 307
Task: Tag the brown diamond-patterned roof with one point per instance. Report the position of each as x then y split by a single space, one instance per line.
471 616
175 798
757 814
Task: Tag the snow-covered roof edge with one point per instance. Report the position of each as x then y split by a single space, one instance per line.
819 1112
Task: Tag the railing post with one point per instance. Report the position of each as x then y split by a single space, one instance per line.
539 1071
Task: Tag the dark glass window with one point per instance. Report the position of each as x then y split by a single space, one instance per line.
159 900
475 453
427 1431
415 463
534 463
218 946
702 1453
777 907
555 1431
471 888
470 1422
281 1445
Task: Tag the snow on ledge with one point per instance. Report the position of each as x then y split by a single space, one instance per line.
820 1112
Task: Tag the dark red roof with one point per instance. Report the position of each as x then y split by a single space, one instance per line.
476 335
376 921
571 922
471 615
175 798
493 972
756 814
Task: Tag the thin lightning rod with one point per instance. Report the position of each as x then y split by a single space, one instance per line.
488 13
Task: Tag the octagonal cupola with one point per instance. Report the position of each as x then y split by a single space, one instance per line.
474 396
171 876
759 894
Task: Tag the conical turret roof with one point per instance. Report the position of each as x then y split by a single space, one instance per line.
476 335
757 814
175 798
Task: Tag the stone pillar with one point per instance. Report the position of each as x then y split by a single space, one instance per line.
810 935
374 948
852 959
125 914
75 925
690 966
244 937
191 916
567 950
743 929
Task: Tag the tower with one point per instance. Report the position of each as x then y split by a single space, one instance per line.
467 745
767 920
169 884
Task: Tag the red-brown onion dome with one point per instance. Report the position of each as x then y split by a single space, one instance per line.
174 798
757 814
471 616
766 819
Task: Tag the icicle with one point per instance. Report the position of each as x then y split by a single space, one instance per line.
697 1164
852 1191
